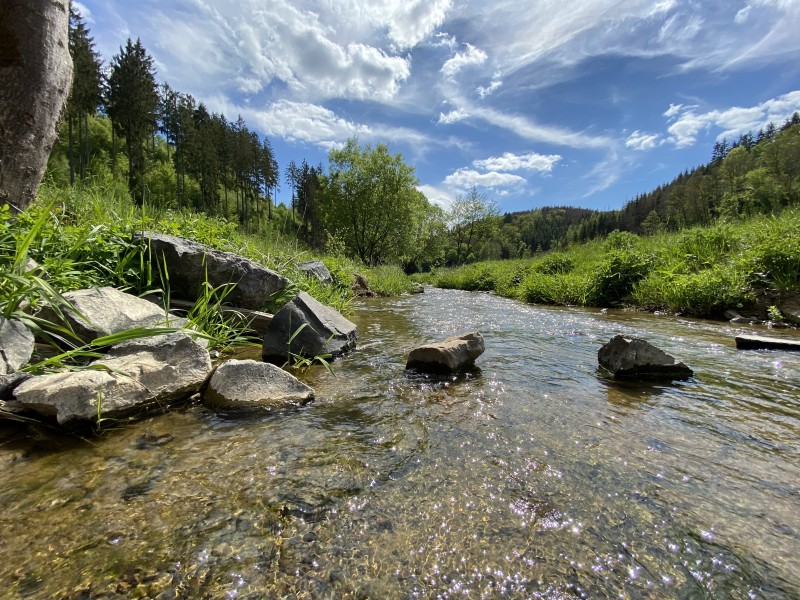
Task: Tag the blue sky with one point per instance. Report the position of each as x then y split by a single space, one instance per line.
538 103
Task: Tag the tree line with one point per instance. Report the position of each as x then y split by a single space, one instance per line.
754 174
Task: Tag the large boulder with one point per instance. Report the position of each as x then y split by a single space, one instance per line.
317 270
790 308
16 345
189 264
635 358
452 355
247 384
314 329
107 310
142 375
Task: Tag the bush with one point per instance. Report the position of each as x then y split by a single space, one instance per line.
554 264
617 274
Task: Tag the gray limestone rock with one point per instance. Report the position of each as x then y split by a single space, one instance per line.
635 358
188 263
16 345
322 330
317 270
105 311
449 356
249 384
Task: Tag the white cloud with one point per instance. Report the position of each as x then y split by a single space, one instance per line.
411 22
639 140
543 163
438 196
466 178
452 117
536 132
83 11
733 121
741 16
472 56
299 121
490 89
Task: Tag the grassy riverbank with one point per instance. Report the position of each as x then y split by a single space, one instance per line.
701 271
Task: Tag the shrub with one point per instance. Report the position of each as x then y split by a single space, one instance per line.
552 264
615 277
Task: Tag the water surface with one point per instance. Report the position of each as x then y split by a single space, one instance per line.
535 477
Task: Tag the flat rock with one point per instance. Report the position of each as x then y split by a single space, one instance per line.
249 384
16 345
188 263
758 342
322 330
142 374
77 396
107 310
448 356
634 358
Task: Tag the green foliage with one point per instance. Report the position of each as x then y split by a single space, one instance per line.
555 264
369 202
471 221
614 278
389 280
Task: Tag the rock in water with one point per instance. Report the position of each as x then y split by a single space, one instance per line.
248 384
449 356
142 374
635 358
319 330
188 263
759 342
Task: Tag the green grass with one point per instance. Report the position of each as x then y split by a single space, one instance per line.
700 271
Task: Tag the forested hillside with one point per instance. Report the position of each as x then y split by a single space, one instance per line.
754 175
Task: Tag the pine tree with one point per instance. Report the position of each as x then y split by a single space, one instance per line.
86 94
132 103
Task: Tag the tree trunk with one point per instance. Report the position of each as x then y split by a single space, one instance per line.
35 79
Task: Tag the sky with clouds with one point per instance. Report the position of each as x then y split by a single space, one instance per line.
538 103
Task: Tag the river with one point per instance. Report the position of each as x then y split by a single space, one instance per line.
534 477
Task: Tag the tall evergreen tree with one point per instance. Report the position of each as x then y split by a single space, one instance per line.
86 94
132 103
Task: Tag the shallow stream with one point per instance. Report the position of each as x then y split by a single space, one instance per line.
535 477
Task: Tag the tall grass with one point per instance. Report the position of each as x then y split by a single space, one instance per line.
701 271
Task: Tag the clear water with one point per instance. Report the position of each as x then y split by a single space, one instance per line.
534 478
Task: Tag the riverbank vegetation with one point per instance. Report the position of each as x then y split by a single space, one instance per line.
701 271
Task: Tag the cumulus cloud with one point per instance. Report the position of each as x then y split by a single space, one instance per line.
466 178
412 22
300 121
639 140
437 195
471 56
688 123
452 117
543 163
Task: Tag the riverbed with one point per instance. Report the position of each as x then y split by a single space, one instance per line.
533 477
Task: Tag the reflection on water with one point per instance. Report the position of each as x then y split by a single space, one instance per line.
534 477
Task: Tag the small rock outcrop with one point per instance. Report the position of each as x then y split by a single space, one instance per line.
188 264
317 270
790 308
635 358
759 342
322 330
452 355
104 311
16 345
249 384
142 374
